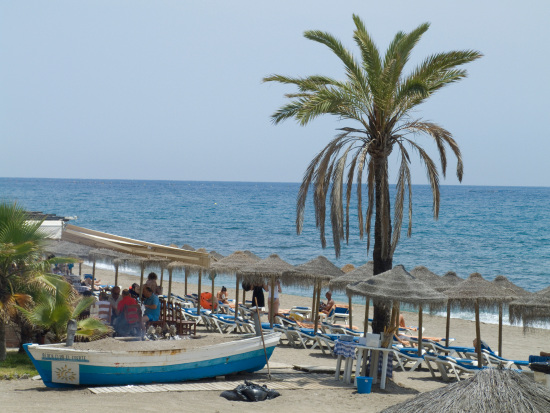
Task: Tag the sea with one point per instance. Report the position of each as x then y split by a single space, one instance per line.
492 230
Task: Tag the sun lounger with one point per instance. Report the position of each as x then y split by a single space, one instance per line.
408 355
493 360
448 364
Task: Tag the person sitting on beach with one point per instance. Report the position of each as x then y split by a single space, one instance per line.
114 299
222 296
326 308
151 303
152 283
134 290
121 325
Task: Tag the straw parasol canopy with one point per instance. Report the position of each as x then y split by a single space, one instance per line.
261 271
359 274
503 282
216 256
531 309
476 289
398 285
234 262
305 275
490 390
428 277
187 247
312 273
347 268
450 279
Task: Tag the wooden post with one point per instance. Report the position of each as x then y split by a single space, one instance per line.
478 335
397 312
317 306
93 276
169 283
237 299
80 268
500 329
186 275
161 277
214 298
271 301
420 330
199 288
314 300
366 322
448 326
141 283
350 313
116 274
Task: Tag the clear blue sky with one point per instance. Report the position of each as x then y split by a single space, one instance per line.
172 89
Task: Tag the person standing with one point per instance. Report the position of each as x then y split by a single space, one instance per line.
258 296
277 290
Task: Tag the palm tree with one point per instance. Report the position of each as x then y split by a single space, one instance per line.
20 262
56 305
378 99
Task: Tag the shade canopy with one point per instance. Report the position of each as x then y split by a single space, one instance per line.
502 282
67 249
477 289
430 278
187 247
317 269
489 390
234 262
531 309
398 285
216 256
361 273
259 272
449 279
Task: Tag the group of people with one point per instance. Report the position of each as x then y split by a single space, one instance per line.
111 308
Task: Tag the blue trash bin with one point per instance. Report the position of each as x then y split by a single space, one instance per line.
364 384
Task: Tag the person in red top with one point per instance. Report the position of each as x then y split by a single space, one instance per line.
126 300
124 327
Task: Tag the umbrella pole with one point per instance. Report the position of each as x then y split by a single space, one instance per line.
397 312
80 268
271 301
141 284
169 284
199 288
420 330
93 275
366 323
350 314
116 274
478 335
236 299
500 329
186 275
214 298
318 303
161 277
314 300
448 326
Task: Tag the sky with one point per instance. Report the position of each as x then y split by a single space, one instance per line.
172 90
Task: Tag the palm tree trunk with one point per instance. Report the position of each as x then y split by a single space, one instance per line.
382 256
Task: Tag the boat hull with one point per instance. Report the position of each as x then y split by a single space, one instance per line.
61 366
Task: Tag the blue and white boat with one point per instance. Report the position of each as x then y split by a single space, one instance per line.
62 366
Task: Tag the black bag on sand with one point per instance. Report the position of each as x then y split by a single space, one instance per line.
250 392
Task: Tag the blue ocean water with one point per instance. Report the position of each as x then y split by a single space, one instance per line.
490 230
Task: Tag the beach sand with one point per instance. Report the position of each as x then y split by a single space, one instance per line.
25 395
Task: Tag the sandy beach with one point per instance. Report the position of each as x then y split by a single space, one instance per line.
24 395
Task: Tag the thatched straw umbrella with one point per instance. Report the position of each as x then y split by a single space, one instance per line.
430 278
317 271
476 292
189 269
231 265
361 273
531 309
450 279
215 256
347 268
260 272
187 247
399 286
489 390
502 282
113 257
